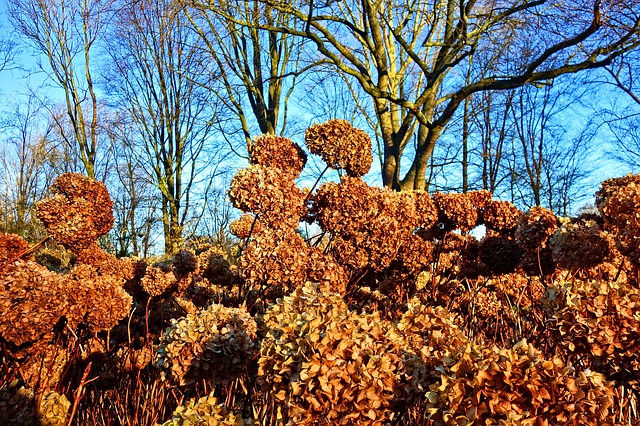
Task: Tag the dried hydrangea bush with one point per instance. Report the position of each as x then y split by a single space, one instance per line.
489 385
214 344
598 322
321 363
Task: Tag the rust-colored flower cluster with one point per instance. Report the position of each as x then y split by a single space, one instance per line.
277 152
11 246
598 321
489 385
78 213
455 211
341 146
268 193
618 200
535 227
501 216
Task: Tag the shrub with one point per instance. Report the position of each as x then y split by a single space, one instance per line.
215 344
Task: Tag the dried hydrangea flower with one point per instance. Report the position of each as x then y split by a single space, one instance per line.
341 146
275 257
517 386
535 227
204 412
214 344
501 216
366 222
99 301
455 211
322 363
11 245
580 244
79 212
245 225
184 263
157 281
597 322
479 199
277 152
618 200
272 196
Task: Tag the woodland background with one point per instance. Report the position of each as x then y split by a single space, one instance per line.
535 101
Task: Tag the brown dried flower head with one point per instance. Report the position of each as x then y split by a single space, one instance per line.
275 257
501 216
322 363
618 200
500 254
267 193
11 245
245 225
277 152
535 227
185 263
341 146
214 344
580 244
455 211
157 281
516 386
79 212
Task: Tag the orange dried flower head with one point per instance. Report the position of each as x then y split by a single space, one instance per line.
341 146
417 209
618 200
455 211
501 216
156 281
275 257
79 212
98 301
272 196
11 245
535 227
277 152
490 385
479 199
245 225
367 223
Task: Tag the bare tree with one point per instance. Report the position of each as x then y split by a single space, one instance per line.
548 166
259 69
66 32
409 55
621 114
161 79
25 156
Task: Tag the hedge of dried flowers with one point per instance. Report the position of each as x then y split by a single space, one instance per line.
395 313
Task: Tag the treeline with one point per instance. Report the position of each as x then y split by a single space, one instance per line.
160 99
